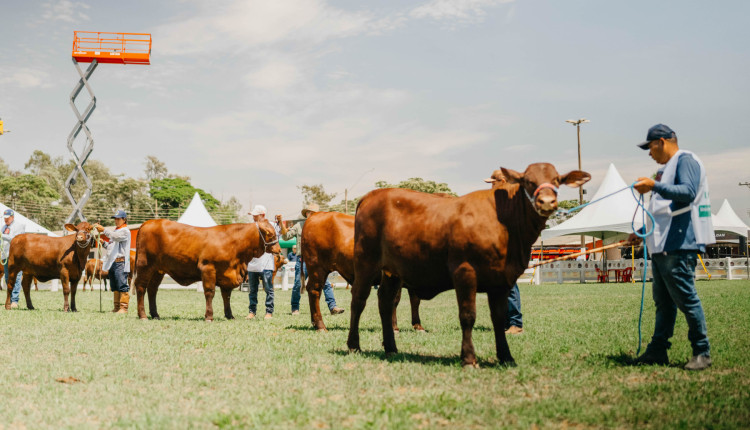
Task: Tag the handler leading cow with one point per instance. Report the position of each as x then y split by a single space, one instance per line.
213 255
480 242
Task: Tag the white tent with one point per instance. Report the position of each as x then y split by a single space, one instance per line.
608 219
31 226
727 220
196 214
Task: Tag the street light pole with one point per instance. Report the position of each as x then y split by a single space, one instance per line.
577 123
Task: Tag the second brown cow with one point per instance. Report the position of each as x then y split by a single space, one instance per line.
216 256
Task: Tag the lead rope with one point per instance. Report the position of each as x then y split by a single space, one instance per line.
98 255
639 200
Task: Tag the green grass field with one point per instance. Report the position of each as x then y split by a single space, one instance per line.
181 372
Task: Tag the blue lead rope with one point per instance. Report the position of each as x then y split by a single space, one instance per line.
639 200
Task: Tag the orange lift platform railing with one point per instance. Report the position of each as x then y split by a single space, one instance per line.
97 47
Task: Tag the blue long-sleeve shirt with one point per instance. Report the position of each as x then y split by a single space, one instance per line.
682 193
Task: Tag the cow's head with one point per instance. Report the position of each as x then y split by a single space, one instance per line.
268 237
83 232
540 182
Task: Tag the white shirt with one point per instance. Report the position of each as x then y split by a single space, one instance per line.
14 229
265 261
119 246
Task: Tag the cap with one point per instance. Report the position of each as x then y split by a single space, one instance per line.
258 210
120 214
8 213
659 131
312 207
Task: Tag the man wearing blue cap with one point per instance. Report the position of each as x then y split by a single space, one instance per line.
11 229
682 228
117 262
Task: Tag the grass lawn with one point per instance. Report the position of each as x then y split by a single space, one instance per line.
181 372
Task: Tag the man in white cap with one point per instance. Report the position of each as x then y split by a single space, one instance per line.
11 229
296 233
261 268
117 262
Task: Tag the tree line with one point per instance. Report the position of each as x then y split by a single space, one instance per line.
37 192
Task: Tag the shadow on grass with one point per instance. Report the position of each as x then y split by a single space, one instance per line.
408 357
309 327
626 360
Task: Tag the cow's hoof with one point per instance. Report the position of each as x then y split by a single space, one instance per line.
31 308
322 330
354 350
230 317
209 320
507 363
143 319
470 366
419 328
396 330
390 354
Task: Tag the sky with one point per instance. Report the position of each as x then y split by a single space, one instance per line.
254 98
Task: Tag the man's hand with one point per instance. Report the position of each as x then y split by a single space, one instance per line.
634 240
644 185
278 219
98 227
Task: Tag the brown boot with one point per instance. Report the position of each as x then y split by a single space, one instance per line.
124 300
117 301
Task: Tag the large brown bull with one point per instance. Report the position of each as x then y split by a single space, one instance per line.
328 246
216 256
48 258
479 242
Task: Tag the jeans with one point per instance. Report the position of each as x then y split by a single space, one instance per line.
118 278
254 278
17 287
515 318
673 288
296 293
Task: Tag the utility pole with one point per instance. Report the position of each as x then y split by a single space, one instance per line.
577 123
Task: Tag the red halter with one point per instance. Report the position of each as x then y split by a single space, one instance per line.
545 185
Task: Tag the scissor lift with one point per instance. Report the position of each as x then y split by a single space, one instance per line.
96 48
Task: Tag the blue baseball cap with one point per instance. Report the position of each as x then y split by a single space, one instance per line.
120 214
8 213
659 131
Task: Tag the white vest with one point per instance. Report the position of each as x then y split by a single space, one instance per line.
700 209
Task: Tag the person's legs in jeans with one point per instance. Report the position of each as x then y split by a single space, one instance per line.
515 318
666 310
268 287
681 286
16 287
296 293
253 279
328 293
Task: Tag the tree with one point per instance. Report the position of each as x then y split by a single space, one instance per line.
560 217
229 212
32 196
419 184
155 169
174 194
316 194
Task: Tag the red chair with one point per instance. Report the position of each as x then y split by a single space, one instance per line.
627 274
601 276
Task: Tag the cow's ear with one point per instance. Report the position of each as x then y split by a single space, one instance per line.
574 178
512 176
70 227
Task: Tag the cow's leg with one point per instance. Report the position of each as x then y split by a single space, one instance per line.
226 295
414 301
209 290
26 285
141 283
465 281
396 301
389 287
360 291
66 289
314 288
153 288
499 312
8 288
73 289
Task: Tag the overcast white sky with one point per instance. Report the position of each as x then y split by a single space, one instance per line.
253 98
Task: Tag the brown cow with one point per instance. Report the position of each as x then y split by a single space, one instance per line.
479 242
94 271
213 255
328 239
48 258
278 261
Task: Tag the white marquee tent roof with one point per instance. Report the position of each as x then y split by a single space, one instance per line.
31 226
727 220
610 218
196 214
